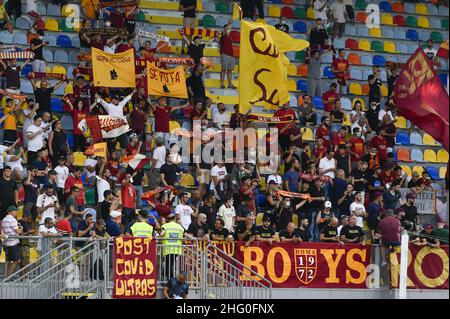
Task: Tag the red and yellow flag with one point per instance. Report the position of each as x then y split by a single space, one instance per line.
421 98
113 70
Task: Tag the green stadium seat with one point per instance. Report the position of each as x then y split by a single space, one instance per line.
360 5
208 21
444 24
90 196
222 7
300 56
376 46
411 21
436 36
300 13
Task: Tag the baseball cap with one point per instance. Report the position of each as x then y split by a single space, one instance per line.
399 210
115 214
328 204
133 135
378 194
62 158
411 196
12 208
428 226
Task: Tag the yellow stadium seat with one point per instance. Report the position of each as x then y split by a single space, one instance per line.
51 25
59 69
263 184
418 169
166 20
48 70
173 125
292 85
427 139
68 89
259 219
274 11
79 159
309 135
281 170
423 22
389 46
187 181
364 45
161 5
407 170
227 100
347 121
387 19
442 172
295 220
292 70
363 103
429 156
421 9
355 88
401 122
384 90
375 33
442 156
310 13
172 34
259 20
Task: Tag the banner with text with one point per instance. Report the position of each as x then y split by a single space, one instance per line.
163 82
425 201
134 268
113 70
314 265
427 268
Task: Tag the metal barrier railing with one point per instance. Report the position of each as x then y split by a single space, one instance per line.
224 277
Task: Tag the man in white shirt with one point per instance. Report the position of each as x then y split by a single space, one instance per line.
320 10
340 15
15 161
62 172
221 116
218 179
344 221
158 160
103 181
28 116
115 108
327 165
228 213
46 204
35 135
357 208
46 230
10 227
184 212
431 52
46 121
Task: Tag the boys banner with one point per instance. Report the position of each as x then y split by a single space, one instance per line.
134 268
113 70
263 68
315 265
163 82
427 268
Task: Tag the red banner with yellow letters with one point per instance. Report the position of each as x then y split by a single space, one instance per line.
307 265
427 268
134 268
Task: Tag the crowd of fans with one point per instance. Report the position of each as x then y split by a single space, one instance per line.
348 173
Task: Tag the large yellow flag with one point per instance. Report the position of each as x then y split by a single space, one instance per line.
113 70
237 12
263 65
163 82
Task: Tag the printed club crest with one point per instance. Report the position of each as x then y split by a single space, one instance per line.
305 264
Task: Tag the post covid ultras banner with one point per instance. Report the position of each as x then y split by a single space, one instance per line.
134 268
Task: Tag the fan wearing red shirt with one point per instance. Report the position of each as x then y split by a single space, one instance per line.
75 180
226 57
340 68
127 46
80 111
329 98
339 137
323 131
320 150
82 90
379 142
247 189
162 112
128 193
388 175
356 145
283 128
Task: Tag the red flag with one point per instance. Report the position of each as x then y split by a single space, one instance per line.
94 125
421 98
136 161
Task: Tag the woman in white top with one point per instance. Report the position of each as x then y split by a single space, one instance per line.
228 214
357 117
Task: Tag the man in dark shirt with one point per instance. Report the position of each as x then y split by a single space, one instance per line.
352 233
329 232
360 177
43 93
345 201
243 210
411 214
303 230
209 209
220 232
318 36
168 172
265 233
247 231
31 188
282 26
195 85
199 229
8 192
290 234
37 44
85 229
195 47
107 206
318 198
12 74
177 288
189 9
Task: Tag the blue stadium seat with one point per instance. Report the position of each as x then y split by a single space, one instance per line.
409 7
366 72
53 10
412 47
435 23
385 6
383 75
209 6
424 35
350 30
41 9
6 37
73 56
26 87
443 78
402 48
403 59
302 85
362 31
399 34
412 35
346 104
379 60
48 55
56 105
20 38
417 155
339 43
26 69
290 55
76 42
64 41
300 27
433 172
432 9
70 72
293 101
402 138
366 59
388 33
391 58
67 122
356 74
443 11
327 73
328 58
69 139
415 138
317 102
51 39
61 56
23 23
60 90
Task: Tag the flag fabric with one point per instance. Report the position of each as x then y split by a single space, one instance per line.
16 55
443 50
98 149
237 12
113 70
294 195
207 33
273 119
153 36
109 126
136 161
179 61
93 124
421 98
263 65
162 82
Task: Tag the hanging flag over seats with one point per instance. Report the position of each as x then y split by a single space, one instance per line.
16 55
